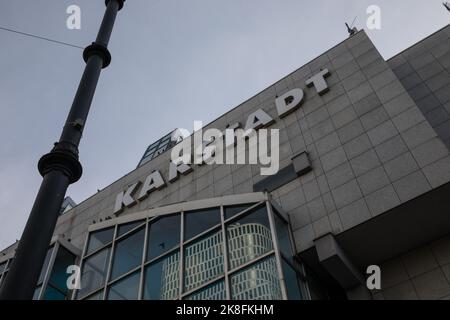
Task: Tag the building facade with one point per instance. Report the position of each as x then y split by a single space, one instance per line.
363 180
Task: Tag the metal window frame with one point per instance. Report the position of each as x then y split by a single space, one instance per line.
54 249
225 254
277 251
116 241
299 267
255 200
181 263
56 243
109 268
144 257
7 262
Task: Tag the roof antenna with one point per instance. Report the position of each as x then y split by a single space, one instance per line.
350 29
446 5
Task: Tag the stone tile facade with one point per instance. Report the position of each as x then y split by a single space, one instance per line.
376 139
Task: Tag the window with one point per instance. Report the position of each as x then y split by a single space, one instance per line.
96 296
193 267
198 221
125 289
164 235
52 281
58 276
244 244
291 280
52 293
284 241
99 239
3 271
257 282
94 270
128 253
162 278
128 227
203 260
231 211
2 267
214 291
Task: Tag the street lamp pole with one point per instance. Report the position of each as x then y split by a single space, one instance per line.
59 169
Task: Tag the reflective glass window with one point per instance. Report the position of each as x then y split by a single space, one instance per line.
128 253
164 234
3 277
166 138
284 242
162 278
58 277
125 289
198 221
154 144
52 293
259 281
249 237
215 291
96 296
94 272
100 238
149 152
203 260
124 228
292 282
2 267
231 211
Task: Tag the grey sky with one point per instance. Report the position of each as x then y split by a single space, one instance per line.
174 61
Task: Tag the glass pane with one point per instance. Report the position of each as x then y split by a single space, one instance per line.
166 138
53 294
154 144
257 282
164 235
3 278
59 275
203 260
291 282
150 151
95 296
284 242
215 291
198 221
124 228
234 210
125 289
162 278
36 293
100 238
128 253
44 267
249 238
2 267
94 272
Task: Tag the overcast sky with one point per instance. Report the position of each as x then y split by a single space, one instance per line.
174 61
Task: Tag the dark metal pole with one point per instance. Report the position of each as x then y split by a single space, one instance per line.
59 168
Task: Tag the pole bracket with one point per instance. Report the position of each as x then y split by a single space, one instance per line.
120 3
61 159
99 50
